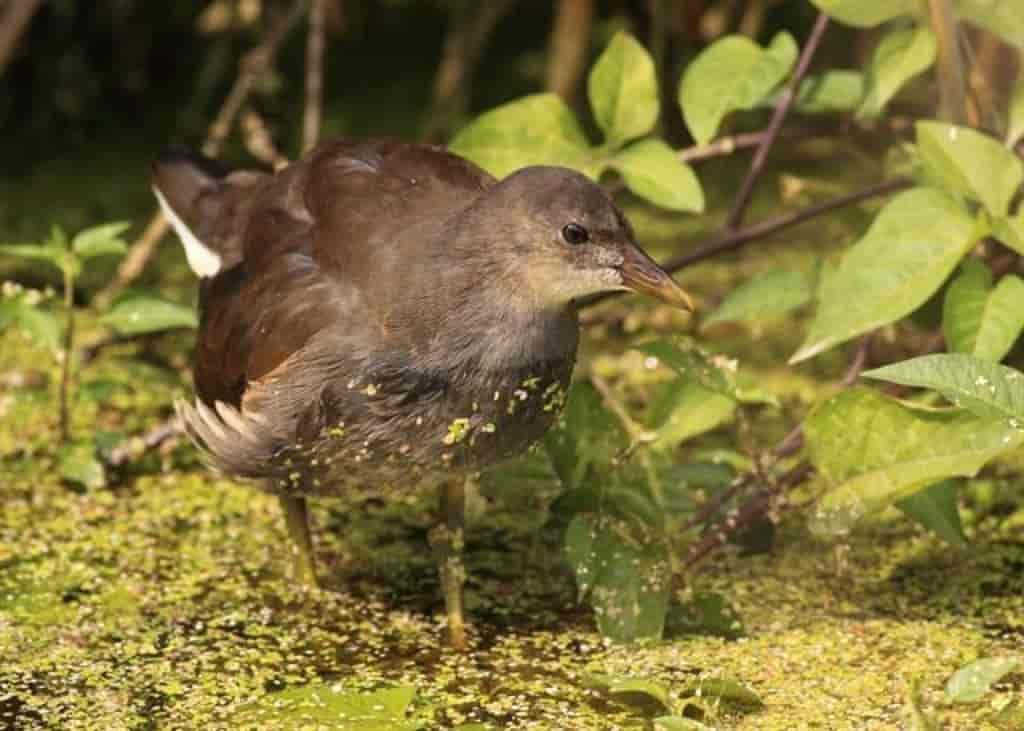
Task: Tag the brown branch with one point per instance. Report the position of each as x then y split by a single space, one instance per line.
314 76
258 140
253 65
782 106
952 83
13 24
568 46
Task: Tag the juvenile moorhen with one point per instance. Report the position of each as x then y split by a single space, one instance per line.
387 313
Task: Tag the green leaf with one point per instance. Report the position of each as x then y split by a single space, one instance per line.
970 683
623 90
724 689
652 170
79 464
631 590
1010 231
900 56
101 240
837 90
980 320
771 294
36 252
935 507
1015 120
865 13
579 542
686 409
964 306
626 688
1005 19
585 433
733 73
382 710
706 613
970 164
137 313
535 130
873 451
984 388
909 251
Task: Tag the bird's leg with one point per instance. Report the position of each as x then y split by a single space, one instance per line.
446 539
296 517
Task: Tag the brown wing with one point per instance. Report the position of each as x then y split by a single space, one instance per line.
325 243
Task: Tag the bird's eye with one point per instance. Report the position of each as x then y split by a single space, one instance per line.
575 234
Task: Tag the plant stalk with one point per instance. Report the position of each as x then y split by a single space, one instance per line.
952 83
65 365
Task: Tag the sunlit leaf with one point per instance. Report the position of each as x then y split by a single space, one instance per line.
1010 231
137 313
970 164
733 73
909 251
724 689
970 683
935 507
963 309
866 13
652 170
837 90
37 252
623 90
535 130
771 294
40 325
80 464
982 387
873 451
900 56
716 373
104 240
1005 19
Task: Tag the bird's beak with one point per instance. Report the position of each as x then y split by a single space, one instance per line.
642 274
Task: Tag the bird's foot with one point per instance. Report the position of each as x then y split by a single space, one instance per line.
447 543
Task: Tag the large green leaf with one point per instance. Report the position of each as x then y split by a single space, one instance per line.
1015 118
982 387
1005 18
716 373
585 433
623 89
631 591
38 324
866 13
935 507
137 313
652 170
836 90
37 252
1010 231
970 683
982 320
535 130
963 309
103 240
900 56
909 251
873 451
732 73
970 164
771 294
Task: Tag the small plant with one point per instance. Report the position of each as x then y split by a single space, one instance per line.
133 313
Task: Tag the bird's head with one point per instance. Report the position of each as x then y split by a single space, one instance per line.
563 238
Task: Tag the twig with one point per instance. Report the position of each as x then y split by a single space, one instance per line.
723 146
785 101
731 240
314 76
860 359
252 66
136 447
13 24
637 433
952 84
568 46
258 140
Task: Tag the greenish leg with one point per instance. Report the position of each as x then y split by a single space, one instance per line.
446 540
296 517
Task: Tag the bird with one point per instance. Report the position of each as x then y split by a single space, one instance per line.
387 313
